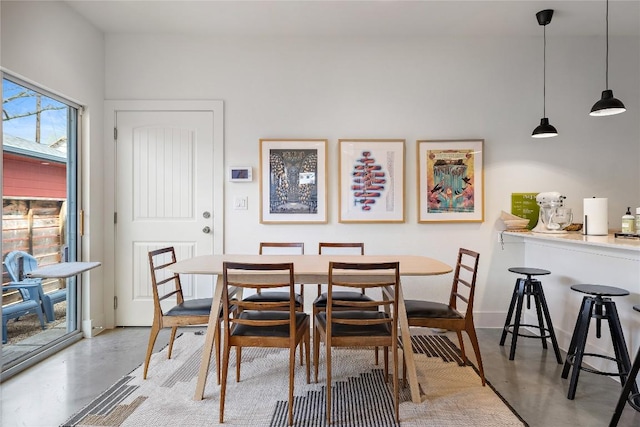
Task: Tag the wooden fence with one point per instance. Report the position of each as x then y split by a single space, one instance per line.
36 227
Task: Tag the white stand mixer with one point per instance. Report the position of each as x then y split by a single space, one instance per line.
553 218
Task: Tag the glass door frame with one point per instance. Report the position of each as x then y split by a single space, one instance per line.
73 232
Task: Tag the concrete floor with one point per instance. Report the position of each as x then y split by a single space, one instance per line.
49 393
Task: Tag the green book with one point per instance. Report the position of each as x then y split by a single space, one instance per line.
524 205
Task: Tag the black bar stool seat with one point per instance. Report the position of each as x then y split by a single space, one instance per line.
597 304
633 398
531 288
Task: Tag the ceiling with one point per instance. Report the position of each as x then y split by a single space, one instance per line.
350 18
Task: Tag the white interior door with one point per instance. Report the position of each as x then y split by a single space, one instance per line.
164 197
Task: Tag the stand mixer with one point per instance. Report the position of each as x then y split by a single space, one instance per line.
554 217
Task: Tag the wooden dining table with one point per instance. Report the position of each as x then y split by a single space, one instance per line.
308 269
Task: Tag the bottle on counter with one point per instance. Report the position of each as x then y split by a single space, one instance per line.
628 222
638 220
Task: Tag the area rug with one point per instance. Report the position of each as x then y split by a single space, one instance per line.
452 393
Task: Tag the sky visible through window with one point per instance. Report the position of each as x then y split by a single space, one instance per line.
19 118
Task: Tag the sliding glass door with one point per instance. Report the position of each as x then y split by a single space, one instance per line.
39 219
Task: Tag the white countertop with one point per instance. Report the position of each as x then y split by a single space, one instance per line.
608 241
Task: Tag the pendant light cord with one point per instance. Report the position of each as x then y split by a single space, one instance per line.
544 72
607 56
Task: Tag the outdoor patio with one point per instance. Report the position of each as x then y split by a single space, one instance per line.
25 335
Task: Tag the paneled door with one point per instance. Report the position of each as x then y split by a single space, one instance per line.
164 197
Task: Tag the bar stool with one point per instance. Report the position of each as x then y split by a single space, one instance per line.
598 305
634 398
529 287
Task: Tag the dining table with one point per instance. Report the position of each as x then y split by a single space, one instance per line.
307 269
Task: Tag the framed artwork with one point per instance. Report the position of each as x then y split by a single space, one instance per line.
450 181
371 180
293 181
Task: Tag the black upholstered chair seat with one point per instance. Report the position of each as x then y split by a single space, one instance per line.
341 330
418 308
192 307
273 296
321 301
266 331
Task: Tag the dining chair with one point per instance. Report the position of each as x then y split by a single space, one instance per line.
355 324
340 248
280 248
262 323
167 285
457 315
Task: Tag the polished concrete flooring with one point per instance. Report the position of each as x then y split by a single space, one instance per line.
48 393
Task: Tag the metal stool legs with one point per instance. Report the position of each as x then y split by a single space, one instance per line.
629 386
529 287
634 399
601 309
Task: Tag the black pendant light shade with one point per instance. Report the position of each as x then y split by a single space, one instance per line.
607 105
545 130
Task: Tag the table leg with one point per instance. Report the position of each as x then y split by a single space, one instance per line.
209 339
407 350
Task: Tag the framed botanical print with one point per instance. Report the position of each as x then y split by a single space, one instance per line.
293 181
450 180
371 180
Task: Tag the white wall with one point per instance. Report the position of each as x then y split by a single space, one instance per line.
445 88
49 45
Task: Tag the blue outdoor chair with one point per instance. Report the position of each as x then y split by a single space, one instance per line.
11 263
28 305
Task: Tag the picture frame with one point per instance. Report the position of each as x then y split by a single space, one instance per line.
450 180
240 174
293 181
371 180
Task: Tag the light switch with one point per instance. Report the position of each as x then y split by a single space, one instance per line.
240 203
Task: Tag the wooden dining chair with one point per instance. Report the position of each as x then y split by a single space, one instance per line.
457 315
280 295
167 285
280 248
262 323
355 324
340 248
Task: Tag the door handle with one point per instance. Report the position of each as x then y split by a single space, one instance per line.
206 230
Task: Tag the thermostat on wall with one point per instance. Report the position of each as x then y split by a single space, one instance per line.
240 174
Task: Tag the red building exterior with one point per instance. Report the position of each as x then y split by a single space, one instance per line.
26 177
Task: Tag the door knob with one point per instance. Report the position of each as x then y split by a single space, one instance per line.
206 230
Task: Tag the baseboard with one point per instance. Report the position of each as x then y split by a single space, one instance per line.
92 327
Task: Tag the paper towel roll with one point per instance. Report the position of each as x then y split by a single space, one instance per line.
596 222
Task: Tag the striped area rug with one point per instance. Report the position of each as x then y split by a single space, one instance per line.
452 392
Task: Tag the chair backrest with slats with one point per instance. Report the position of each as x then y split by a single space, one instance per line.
164 283
257 277
340 248
464 281
281 248
19 263
384 276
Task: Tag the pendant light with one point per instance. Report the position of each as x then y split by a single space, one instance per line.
608 105
545 130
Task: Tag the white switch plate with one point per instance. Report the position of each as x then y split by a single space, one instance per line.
240 203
